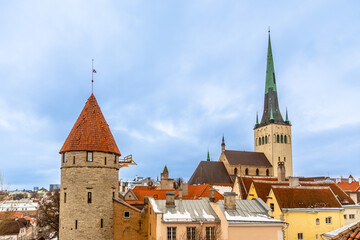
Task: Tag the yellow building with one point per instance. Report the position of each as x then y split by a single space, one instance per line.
309 211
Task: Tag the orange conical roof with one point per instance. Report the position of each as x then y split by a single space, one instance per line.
90 132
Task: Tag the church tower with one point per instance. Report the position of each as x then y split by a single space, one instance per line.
89 177
272 135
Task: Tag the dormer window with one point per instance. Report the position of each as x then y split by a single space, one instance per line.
89 156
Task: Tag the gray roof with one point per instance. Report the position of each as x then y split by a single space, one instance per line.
337 231
210 172
185 210
249 211
247 158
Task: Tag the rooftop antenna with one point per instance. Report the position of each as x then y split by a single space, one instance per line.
92 76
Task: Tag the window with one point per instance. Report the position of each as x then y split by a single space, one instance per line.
257 172
190 233
64 197
114 158
272 207
101 223
277 138
74 160
317 236
113 194
89 156
210 233
300 236
235 171
75 224
317 221
267 172
265 139
351 216
344 216
246 171
262 140
285 139
126 214
328 220
259 141
89 197
105 160
63 157
282 139
284 159
171 233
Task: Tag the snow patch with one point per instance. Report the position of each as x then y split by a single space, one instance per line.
208 217
222 189
178 216
257 218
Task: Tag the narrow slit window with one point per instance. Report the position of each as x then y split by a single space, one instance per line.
89 156
89 197
105 160
115 158
76 225
101 223
64 197
74 160
63 157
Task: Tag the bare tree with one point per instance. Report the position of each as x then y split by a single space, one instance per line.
48 216
178 182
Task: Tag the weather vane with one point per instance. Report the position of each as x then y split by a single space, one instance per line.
92 76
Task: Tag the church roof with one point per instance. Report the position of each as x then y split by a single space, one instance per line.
247 158
210 172
271 112
91 131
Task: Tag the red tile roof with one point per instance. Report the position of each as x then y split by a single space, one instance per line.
305 197
197 191
91 132
346 186
245 183
263 187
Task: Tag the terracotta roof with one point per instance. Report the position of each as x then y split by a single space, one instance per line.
347 232
245 183
346 186
263 187
305 197
197 191
126 204
91 132
210 172
247 158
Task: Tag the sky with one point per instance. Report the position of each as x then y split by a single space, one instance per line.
173 77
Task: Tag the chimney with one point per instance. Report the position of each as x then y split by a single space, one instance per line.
229 203
212 195
294 182
281 171
180 193
170 199
185 188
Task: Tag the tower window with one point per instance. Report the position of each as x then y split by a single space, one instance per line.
105 160
114 158
74 160
277 138
75 224
63 157
64 197
113 194
89 200
89 156
282 139
267 172
259 141
101 223
285 139
246 171
279 159
262 141
266 141
257 172
284 159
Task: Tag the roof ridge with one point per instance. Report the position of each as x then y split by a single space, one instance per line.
302 187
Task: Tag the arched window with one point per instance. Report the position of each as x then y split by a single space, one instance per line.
267 172
257 172
235 171
317 221
265 139
259 141
282 139
277 138
246 171
262 140
285 139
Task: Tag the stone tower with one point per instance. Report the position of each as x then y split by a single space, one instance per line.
89 177
272 135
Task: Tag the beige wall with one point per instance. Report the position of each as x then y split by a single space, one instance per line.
351 210
274 150
76 181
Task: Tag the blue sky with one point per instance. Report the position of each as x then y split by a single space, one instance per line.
172 77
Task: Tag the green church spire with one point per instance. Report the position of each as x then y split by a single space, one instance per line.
208 156
271 112
257 118
287 117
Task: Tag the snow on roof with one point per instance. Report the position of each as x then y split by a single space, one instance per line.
222 189
337 231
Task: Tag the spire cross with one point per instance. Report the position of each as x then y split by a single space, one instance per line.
92 76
